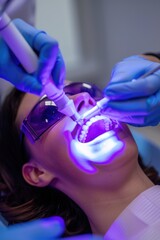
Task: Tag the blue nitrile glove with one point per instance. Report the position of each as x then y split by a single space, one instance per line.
43 229
47 229
136 102
50 60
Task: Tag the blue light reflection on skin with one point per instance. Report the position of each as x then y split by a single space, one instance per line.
102 150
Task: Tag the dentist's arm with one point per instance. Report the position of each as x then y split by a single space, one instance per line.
50 60
135 100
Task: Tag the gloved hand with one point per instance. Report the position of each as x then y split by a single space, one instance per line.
134 99
50 61
42 229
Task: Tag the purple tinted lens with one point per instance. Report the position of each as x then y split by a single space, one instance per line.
44 115
76 88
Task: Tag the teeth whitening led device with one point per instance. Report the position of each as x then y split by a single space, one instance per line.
29 61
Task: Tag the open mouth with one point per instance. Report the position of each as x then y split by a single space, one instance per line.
95 127
96 142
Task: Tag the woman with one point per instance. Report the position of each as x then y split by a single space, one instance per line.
54 165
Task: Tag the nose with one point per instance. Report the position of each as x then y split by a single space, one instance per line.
82 100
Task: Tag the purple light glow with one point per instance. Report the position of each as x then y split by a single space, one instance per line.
101 150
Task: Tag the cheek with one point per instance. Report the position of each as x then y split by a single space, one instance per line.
59 158
130 149
56 151
127 160
50 150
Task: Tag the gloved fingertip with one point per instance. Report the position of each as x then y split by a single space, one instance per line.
37 90
151 103
30 84
109 93
59 75
59 71
54 223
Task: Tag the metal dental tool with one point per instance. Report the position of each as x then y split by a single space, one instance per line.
29 61
102 104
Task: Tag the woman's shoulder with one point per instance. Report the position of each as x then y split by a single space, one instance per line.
138 218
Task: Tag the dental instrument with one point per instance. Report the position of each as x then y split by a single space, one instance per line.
101 105
29 61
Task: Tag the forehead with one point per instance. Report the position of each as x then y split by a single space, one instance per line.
27 103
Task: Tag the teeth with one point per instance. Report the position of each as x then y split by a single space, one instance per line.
108 123
88 123
83 136
85 128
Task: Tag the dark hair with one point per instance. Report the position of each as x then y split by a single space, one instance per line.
150 171
19 201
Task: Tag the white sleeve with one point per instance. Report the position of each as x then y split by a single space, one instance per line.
140 220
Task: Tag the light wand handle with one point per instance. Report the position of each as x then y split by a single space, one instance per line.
29 61
18 44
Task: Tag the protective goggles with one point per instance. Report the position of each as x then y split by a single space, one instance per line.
45 113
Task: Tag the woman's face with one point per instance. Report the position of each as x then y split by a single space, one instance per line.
80 154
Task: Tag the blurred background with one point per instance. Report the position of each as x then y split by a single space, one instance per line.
95 34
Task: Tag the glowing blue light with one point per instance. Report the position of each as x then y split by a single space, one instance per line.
101 150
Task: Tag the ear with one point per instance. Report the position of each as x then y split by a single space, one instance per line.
36 175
